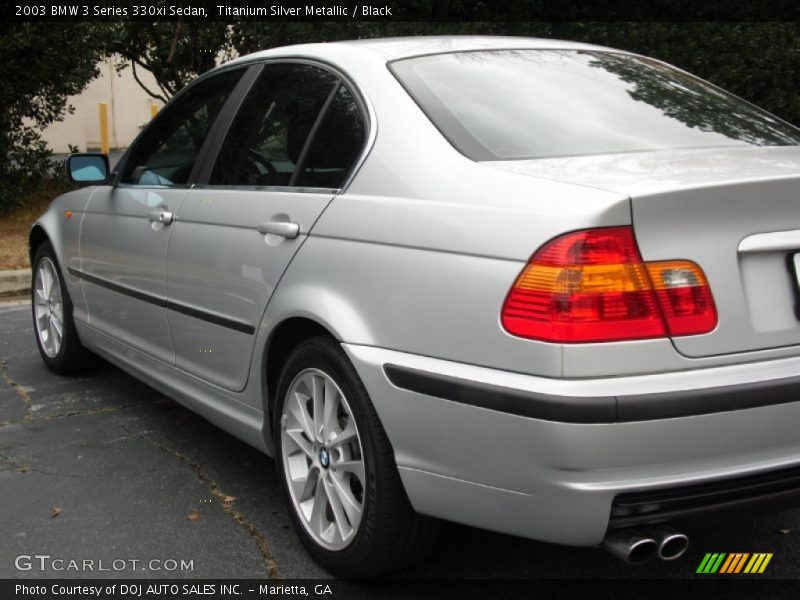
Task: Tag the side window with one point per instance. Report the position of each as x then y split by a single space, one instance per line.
168 149
336 144
267 136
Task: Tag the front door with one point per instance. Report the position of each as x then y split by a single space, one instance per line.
125 232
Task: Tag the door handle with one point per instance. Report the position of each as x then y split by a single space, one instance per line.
283 229
161 216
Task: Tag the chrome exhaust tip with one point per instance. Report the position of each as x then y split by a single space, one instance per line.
671 544
634 546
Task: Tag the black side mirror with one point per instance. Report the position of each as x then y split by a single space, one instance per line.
87 168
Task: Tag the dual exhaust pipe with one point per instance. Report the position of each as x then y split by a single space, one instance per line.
639 545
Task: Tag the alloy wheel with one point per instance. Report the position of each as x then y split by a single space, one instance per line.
48 307
323 460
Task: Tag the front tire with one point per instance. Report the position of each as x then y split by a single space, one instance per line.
337 469
53 326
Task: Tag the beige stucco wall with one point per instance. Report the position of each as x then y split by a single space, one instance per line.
128 111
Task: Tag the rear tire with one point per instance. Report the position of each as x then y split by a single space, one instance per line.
362 524
53 326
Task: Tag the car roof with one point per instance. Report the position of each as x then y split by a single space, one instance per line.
404 47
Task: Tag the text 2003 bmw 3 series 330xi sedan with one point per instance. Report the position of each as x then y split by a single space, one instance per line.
538 287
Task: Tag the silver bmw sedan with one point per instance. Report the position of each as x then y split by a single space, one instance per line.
539 287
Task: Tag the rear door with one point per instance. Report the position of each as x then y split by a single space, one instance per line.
126 229
287 151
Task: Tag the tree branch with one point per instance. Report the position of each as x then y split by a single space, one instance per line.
174 45
143 86
156 68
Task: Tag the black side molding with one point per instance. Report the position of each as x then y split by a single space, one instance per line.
169 304
596 409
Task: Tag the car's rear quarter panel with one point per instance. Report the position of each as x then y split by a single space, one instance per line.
421 249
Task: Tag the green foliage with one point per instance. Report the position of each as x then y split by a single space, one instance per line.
43 63
174 52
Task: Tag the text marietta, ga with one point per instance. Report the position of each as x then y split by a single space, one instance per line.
309 10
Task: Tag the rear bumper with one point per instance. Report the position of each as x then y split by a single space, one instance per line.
546 458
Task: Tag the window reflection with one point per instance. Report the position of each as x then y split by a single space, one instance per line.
502 105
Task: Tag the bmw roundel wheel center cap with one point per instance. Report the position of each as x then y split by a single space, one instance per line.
324 457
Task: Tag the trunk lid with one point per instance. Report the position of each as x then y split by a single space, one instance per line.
733 211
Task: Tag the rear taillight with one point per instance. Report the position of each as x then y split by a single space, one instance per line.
684 297
592 286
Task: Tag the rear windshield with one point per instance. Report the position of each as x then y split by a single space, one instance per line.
520 104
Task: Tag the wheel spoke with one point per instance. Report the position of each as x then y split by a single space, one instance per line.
57 325
342 523
318 509
351 506
47 281
356 467
54 334
300 413
299 439
329 417
310 485
56 316
41 297
55 294
41 310
318 396
346 435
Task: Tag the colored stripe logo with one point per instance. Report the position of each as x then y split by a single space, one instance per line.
734 562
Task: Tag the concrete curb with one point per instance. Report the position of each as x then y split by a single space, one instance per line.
15 281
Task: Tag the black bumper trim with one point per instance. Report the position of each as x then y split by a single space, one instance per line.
667 405
596 409
753 494
602 409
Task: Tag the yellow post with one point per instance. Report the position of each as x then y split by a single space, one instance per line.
153 110
104 127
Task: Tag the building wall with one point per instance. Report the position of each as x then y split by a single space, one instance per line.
128 111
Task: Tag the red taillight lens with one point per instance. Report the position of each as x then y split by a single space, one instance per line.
684 297
592 286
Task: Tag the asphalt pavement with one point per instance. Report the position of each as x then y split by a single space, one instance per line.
102 468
